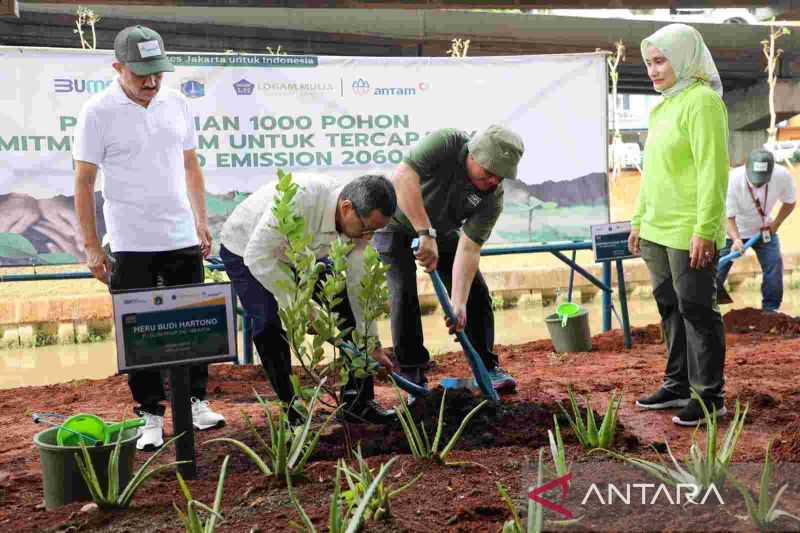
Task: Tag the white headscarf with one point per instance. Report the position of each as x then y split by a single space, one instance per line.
688 54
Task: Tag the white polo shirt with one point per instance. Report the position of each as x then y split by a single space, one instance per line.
740 204
140 153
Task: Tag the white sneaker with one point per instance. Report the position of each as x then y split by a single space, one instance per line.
203 417
152 436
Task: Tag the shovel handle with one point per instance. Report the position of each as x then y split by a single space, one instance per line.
474 360
405 384
734 255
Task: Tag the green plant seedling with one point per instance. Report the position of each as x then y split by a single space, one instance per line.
557 450
289 448
112 498
762 509
535 514
191 519
418 440
313 295
359 480
702 467
342 518
589 434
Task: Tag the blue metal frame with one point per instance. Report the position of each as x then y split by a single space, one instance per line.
604 285
555 249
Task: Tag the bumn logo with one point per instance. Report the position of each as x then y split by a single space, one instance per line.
64 85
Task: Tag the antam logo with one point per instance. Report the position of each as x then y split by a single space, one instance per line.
360 87
64 85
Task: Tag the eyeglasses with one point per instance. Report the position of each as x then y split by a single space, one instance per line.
365 229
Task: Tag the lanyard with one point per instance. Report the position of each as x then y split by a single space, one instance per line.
757 203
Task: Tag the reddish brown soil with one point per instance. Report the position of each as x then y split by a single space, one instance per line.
762 368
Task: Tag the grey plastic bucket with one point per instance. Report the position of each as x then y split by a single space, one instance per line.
574 336
60 475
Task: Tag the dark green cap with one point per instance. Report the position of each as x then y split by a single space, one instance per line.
498 150
142 50
760 163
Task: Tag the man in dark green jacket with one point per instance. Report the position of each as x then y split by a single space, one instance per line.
450 194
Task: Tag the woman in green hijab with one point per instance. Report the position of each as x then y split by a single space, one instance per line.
679 223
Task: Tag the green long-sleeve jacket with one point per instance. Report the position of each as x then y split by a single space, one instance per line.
685 170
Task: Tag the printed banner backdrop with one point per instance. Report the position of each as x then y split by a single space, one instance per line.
340 116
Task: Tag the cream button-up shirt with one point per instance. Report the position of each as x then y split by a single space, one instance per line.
251 233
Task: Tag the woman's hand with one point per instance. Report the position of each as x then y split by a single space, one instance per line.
701 252
633 241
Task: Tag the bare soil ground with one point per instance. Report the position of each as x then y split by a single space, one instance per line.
762 369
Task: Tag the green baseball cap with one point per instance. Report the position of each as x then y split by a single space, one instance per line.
760 164
498 150
142 50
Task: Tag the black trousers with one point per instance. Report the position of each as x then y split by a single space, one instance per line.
405 316
142 270
270 338
691 321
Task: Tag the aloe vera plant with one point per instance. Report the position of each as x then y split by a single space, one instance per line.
535 514
111 497
359 480
762 509
557 449
289 448
703 467
589 434
191 519
343 517
535 519
418 440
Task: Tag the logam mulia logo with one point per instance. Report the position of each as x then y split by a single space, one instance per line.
625 494
361 87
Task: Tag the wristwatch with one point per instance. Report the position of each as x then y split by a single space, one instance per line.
427 232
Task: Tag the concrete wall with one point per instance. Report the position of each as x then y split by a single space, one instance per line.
77 318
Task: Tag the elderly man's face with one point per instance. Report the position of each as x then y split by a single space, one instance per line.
140 89
482 179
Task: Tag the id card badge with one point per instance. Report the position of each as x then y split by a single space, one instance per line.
766 235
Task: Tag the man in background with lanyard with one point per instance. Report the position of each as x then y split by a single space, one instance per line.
753 192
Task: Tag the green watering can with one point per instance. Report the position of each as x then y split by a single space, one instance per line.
566 311
91 429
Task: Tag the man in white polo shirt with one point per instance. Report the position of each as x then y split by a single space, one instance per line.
753 192
142 137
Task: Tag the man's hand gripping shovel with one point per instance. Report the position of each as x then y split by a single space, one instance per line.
475 361
722 295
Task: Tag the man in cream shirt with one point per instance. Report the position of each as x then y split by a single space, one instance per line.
252 250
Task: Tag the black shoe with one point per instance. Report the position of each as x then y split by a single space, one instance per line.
369 412
662 399
693 415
